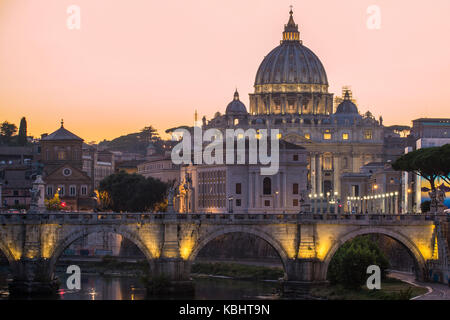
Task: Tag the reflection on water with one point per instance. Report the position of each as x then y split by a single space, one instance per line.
97 287
226 289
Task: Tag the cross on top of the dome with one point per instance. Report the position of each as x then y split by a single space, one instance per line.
236 95
291 32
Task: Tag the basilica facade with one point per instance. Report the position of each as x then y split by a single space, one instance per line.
291 95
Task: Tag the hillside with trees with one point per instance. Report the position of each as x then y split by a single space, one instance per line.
135 142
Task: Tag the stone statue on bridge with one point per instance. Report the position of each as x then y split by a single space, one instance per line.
170 196
37 195
437 197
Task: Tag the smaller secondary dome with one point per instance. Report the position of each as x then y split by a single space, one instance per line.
236 106
347 106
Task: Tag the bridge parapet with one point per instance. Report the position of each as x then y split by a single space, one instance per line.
112 217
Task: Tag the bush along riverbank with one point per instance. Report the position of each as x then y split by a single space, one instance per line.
236 271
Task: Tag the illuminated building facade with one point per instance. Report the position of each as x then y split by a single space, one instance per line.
291 94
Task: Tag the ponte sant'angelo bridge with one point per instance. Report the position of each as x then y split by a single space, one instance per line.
305 242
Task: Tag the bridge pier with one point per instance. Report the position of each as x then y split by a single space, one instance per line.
302 276
170 277
32 277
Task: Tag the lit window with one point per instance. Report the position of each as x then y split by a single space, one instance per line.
345 136
327 163
368 134
307 136
61 155
327 136
279 136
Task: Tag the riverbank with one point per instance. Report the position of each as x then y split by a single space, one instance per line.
391 289
109 266
237 271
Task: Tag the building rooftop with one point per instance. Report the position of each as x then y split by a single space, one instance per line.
62 134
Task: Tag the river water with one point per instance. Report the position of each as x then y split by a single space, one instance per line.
98 287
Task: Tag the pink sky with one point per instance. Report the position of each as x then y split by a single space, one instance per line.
141 62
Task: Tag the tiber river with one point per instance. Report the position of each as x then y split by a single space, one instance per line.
97 287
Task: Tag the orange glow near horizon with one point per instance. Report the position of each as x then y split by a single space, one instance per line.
143 62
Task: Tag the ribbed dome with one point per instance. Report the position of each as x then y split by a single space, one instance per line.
236 106
347 106
291 62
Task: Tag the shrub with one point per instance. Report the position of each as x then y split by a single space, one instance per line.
349 265
425 206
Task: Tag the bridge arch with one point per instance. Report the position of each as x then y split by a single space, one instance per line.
7 253
402 239
85 231
275 244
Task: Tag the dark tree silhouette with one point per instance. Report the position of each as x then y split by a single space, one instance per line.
133 192
22 139
429 163
7 130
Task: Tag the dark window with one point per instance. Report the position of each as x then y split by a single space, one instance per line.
16 193
267 186
295 157
295 202
238 188
267 203
295 188
238 202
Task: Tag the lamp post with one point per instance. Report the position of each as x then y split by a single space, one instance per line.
361 210
275 204
396 202
328 202
335 202
321 207
230 205
315 202
310 200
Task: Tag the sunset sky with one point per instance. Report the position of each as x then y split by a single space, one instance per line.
142 62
